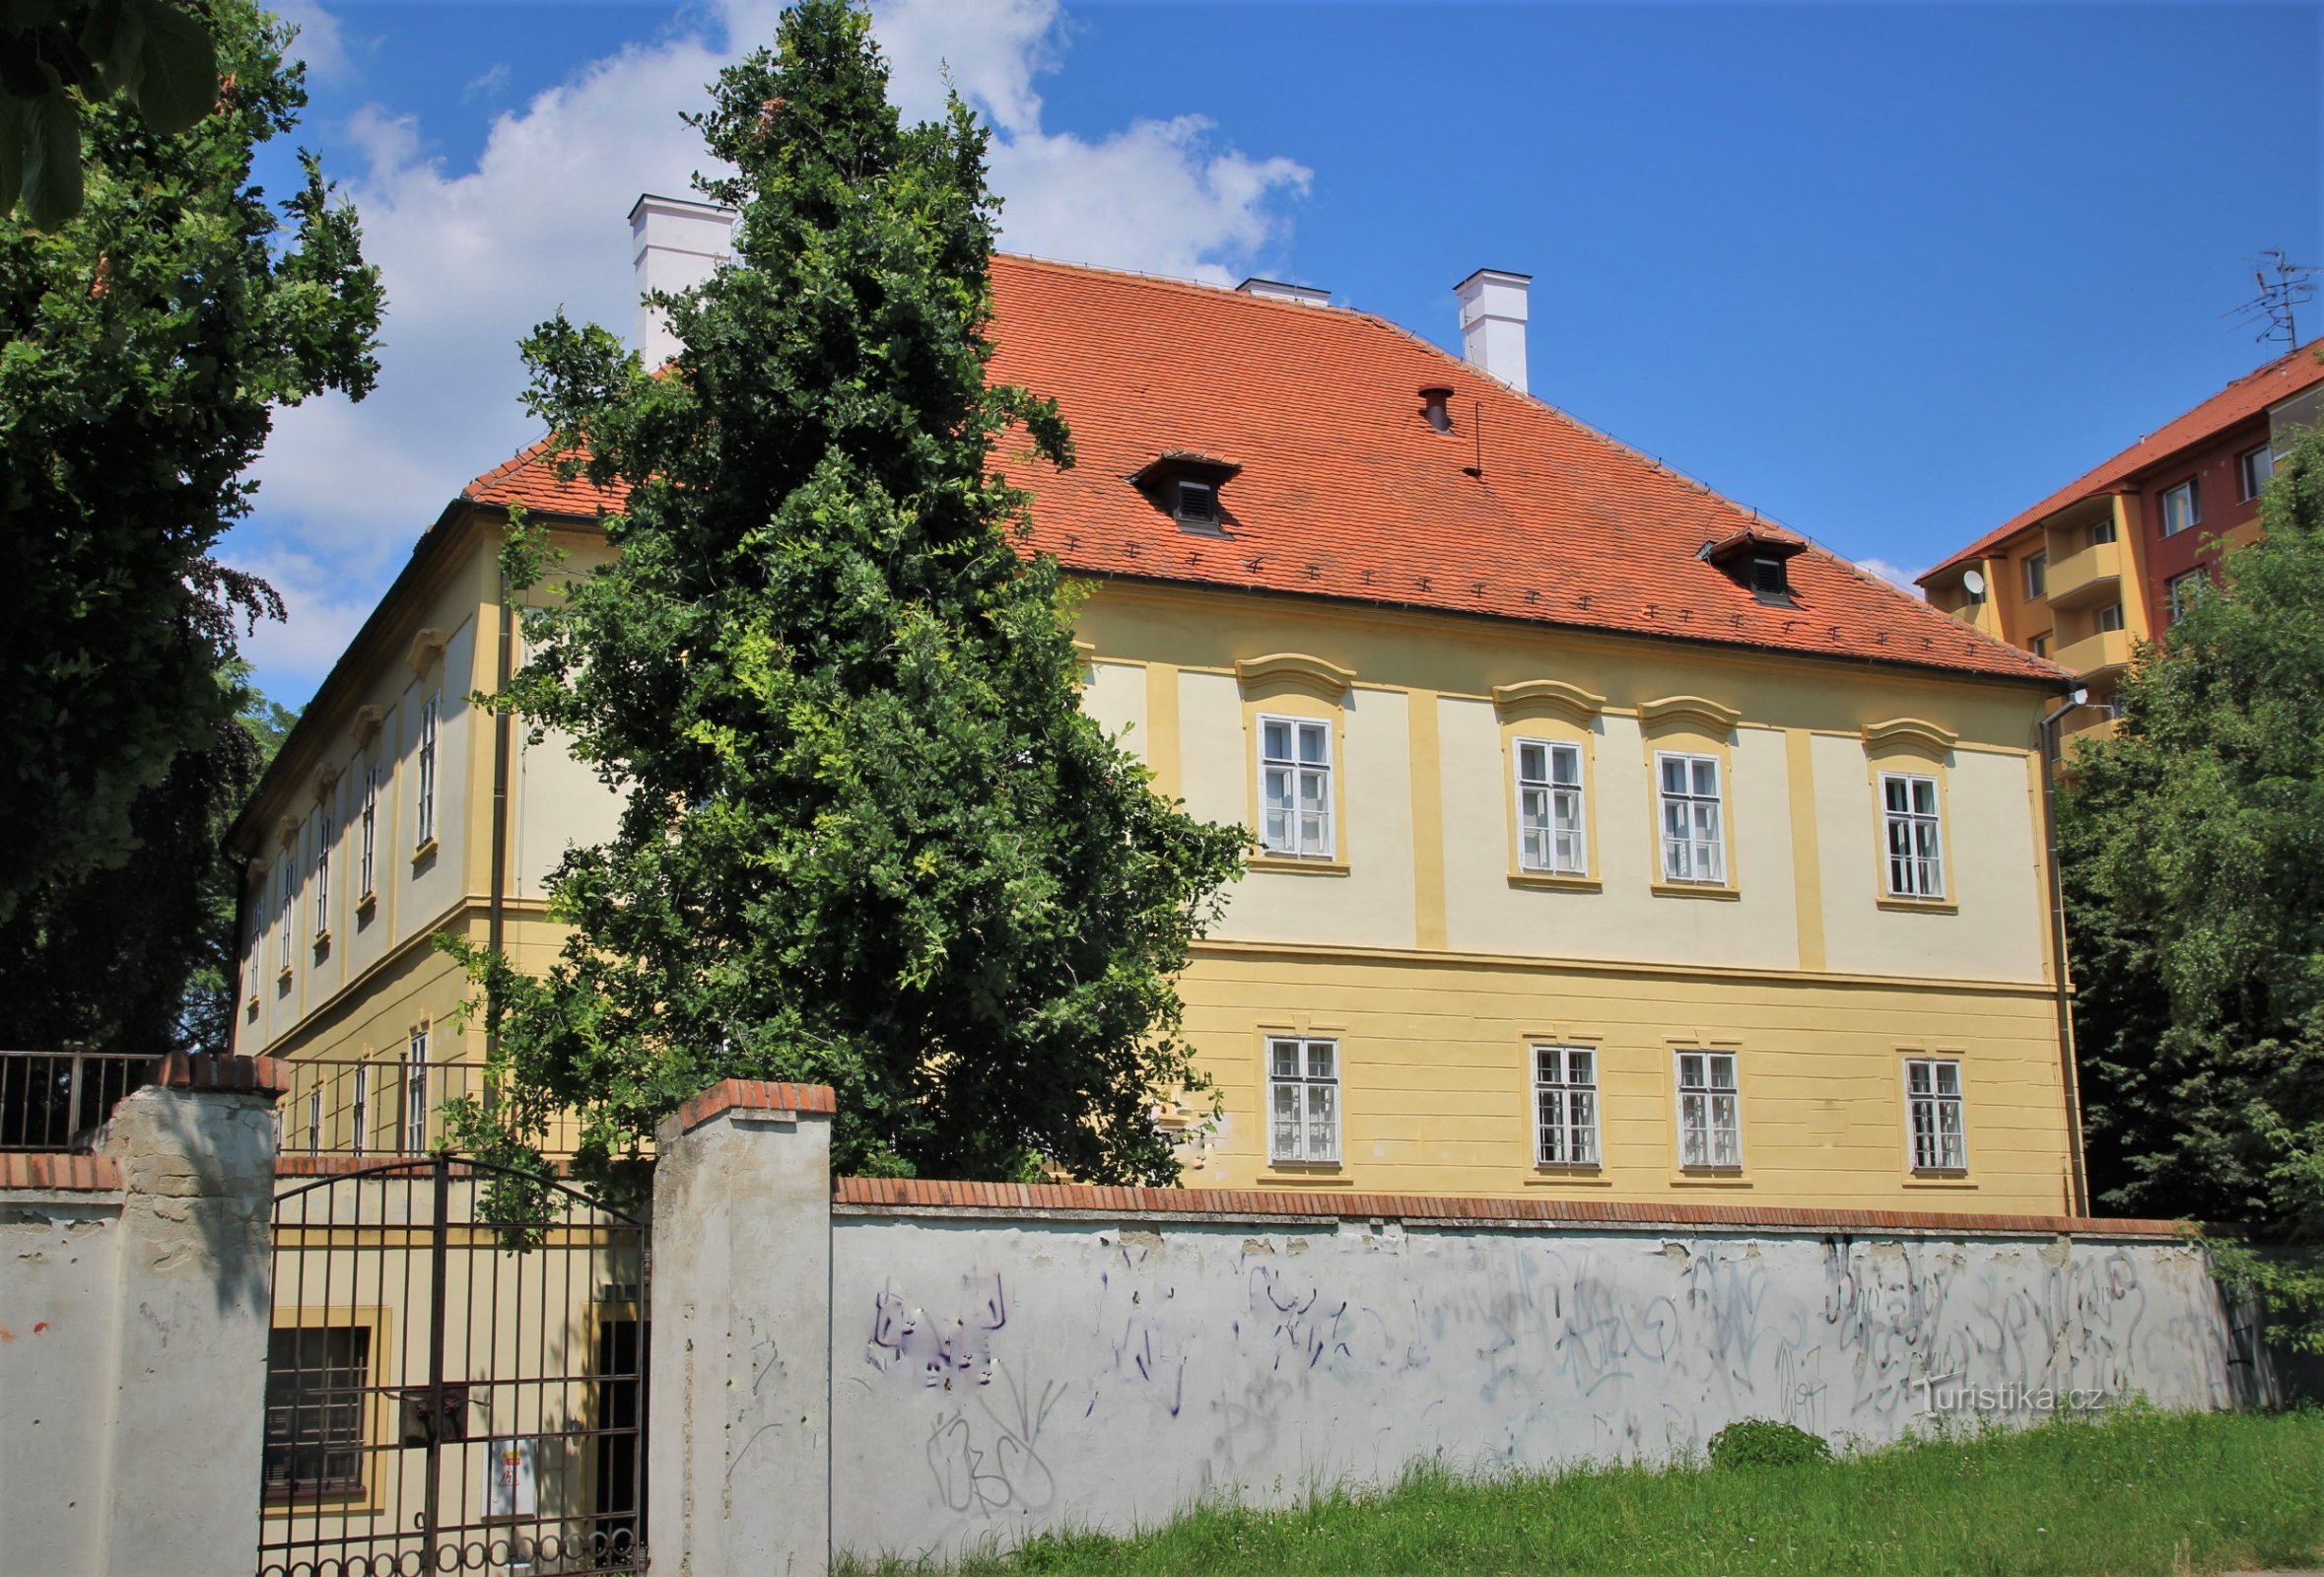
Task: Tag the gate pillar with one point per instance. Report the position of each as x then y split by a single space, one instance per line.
195 1148
740 1411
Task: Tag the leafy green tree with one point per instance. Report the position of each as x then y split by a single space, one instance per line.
870 837
141 957
2194 852
57 55
143 348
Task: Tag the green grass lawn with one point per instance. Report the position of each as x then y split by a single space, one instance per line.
2142 1491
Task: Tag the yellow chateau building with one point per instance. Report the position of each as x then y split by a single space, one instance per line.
1613 842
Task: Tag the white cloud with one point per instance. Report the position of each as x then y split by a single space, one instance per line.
319 43
472 257
486 84
1900 579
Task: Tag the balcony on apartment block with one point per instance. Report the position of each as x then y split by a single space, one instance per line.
2087 578
2100 653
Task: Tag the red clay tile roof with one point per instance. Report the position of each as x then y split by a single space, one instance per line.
1347 491
2246 397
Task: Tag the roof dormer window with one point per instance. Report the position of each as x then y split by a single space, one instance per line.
1187 486
1757 560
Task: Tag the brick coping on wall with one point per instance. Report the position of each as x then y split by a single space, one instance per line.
259 1075
880 1195
54 1172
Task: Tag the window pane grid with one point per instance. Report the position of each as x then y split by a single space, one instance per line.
1295 787
1694 846
316 1388
1932 1098
1909 809
427 791
1710 1117
1565 1106
1550 831
1303 1099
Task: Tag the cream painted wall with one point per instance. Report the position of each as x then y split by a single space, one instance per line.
559 804
1993 870
1116 695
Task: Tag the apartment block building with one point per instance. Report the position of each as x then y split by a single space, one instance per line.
1607 840
2112 557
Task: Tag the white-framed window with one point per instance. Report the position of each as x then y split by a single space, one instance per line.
322 871
1565 1106
367 864
1550 834
1910 818
2180 592
290 903
2102 531
1295 787
2253 467
1933 1101
2110 616
427 768
415 1094
2037 575
1710 1110
315 1121
360 1109
1694 843
2182 506
2039 645
1302 1099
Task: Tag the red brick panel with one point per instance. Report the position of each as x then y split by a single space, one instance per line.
755 1095
260 1075
1074 1198
60 1174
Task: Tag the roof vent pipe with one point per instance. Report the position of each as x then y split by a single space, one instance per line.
675 246
1492 323
1436 405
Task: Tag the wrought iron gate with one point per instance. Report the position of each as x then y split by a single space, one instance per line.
456 1378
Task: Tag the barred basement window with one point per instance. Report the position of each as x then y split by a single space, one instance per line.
1295 787
1549 808
427 811
1909 814
1695 845
1710 1120
317 1386
1565 1106
1933 1099
1303 1099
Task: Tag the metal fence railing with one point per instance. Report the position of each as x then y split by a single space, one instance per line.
383 1106
57 1100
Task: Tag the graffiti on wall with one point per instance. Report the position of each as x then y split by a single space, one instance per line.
1052 1373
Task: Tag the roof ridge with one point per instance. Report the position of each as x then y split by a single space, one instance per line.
1175 282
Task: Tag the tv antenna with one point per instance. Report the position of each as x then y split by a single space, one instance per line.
2292 286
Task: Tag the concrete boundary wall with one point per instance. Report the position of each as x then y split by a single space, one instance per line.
924 1368
134 1309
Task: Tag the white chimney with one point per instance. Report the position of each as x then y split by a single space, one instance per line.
1492 323
676 244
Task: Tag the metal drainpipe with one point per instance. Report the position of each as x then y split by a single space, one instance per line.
2078 1177
497 917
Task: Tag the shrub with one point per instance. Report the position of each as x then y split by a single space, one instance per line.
1764 1443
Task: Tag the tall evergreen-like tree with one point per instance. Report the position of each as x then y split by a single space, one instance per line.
2193 853
143 349
868 838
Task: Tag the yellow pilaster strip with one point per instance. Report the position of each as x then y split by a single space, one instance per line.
1161 740
1428 824
1807 863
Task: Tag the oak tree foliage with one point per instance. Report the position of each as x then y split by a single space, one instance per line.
868 837
143 349
2192 850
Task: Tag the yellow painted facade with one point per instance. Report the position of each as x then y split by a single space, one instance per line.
1418 943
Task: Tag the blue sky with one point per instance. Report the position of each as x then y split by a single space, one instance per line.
1887 272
